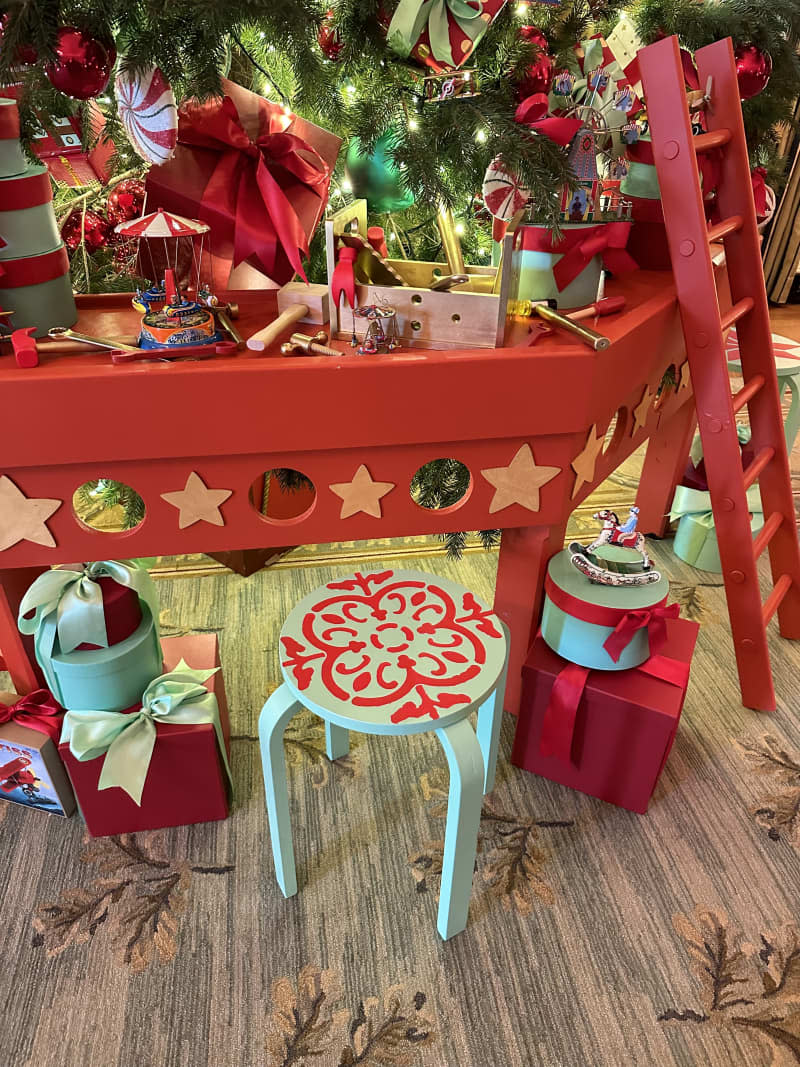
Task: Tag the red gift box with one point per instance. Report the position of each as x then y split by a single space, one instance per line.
461 46
624 726
186 780
258 177
122 611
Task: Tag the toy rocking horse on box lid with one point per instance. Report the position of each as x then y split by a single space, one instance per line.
618 555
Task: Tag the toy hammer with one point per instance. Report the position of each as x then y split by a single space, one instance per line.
297 303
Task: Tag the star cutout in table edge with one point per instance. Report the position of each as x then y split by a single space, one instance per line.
642 410
686 376
197 503
585 462
24 518
519 482
362 494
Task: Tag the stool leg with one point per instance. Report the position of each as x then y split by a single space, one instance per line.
272 723
337 740
463 818
490 719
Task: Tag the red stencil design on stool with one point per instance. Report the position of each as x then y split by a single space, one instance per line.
407 643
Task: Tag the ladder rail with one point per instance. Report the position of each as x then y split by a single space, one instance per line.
674 150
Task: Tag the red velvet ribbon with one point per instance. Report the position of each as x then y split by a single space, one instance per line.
38 711
758 177
29 191
624 623
9 123
33 270
253 181
577 247
532 112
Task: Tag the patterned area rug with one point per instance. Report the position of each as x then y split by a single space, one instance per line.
596 936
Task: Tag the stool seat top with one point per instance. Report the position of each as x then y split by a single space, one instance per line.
786 351
392 651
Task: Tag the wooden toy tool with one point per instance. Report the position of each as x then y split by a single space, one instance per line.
168 355
297 303
301 344
59 332
570 322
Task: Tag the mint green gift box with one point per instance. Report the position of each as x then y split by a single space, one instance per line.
103 679
696 538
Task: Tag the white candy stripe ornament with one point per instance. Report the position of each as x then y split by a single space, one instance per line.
147 108
503 194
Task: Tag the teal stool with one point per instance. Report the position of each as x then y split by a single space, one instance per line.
394 652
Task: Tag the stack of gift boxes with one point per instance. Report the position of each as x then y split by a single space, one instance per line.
136 727
603 685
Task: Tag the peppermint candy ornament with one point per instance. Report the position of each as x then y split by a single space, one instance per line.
502 192
147 108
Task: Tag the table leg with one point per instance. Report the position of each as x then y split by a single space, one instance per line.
337 740
272 723
463 819
664 464
490 719
17 651
524 555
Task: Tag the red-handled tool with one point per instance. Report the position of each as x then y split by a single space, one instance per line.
24 345
609 305
221 348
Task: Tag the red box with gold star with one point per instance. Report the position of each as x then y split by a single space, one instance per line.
605 733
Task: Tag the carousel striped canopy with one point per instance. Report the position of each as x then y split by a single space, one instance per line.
161 223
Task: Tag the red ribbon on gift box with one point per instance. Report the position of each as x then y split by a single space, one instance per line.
577 248
38 711
33 270
253 180
558 725
30 190
624 623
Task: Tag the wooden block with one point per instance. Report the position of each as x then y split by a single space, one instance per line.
315 298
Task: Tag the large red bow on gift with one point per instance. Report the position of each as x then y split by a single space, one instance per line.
38 711
578 246
253 180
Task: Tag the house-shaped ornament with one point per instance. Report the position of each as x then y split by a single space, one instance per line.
580 204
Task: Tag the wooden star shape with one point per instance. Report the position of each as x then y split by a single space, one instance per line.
642 410
197 503
519 482
361 494
685 379
586 461
24 518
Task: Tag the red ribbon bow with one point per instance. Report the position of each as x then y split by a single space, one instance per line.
655 619
38 711
758 177
577 247
558 724
532 112
253 181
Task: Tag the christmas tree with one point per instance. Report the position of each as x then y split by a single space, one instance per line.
358 69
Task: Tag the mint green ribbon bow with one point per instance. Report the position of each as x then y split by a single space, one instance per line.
697 503
128 739
412 17
73 593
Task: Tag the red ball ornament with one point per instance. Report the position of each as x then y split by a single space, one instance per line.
83 64
26 55
753 68
539 76
96 230
125 201
329 38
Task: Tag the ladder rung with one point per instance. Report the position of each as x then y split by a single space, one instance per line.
757 466
739 309
714 139
722 229
747 392
772 603
766 533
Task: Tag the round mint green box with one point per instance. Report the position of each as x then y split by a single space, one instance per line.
532 276
582 642
101 679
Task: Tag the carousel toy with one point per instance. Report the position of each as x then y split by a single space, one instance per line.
618 555
169 318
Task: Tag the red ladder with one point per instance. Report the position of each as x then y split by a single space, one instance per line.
689 237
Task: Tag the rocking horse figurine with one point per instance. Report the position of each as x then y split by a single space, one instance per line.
602 570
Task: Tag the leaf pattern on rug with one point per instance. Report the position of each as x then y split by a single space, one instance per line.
744 987
693 602
304 744
306 1023
513 863
139 894
779 812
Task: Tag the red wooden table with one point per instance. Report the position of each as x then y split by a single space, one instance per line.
77 417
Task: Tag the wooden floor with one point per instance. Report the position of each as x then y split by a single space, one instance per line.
786 320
